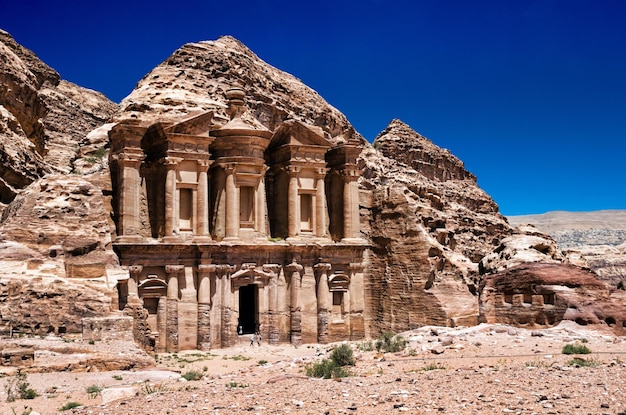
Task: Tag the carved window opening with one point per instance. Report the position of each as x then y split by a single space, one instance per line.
246 206
508 297
306 212
528 298
549 299
185 209
338 302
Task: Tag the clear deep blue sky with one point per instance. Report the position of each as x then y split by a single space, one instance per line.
531 95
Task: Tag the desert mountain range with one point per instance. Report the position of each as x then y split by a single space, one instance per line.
439 251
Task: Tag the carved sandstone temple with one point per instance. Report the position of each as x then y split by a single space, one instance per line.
232 229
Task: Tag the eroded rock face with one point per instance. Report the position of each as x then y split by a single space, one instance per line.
429 224
42 305
541 294
43 119
195 77
58 226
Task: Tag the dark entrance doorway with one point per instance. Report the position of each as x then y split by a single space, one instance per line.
248 308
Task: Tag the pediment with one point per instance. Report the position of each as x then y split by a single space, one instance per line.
296 133
198 124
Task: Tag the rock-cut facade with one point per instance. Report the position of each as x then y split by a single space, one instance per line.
233 229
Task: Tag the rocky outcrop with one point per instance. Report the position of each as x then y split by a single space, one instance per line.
593 239
41 305
540 295
43 120
59 226
429 224
195 77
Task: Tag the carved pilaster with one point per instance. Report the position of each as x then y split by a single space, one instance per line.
294 271
351 218
129 185
293 202
171 205
202 228
232 203
204 307
273 334
171 320
134 272
323 301
321 220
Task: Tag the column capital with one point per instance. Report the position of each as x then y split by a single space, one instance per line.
129 157
224 269
320 172
204 269
271 268
294 267
174 269
203 165
135 269
292 170
171 162
350 172
323 267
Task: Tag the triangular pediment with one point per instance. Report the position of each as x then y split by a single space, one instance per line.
296 133
198 124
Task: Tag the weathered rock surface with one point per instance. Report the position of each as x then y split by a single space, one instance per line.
194 78
429 224
41 305
594 239
55 230
43 119
542 294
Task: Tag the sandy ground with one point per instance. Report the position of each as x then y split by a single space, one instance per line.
487 369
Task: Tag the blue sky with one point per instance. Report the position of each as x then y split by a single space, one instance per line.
531 95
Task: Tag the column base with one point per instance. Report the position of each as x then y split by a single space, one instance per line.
353 241
231 239
202 240
129 239
172 239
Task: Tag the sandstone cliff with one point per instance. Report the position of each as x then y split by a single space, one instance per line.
44 120
594 239
429 224
53 226
194 78
428 220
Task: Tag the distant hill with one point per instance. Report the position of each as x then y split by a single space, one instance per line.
576 229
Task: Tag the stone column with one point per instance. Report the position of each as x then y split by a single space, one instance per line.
188 312
202 222
273 334
173 273
293 202
204 305
357 301
229 331
260 220
323 302
232 204
171 210
129 196
321 222
162 325
134 272
351 225
294 270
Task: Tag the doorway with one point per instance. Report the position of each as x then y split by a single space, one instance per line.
248 314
